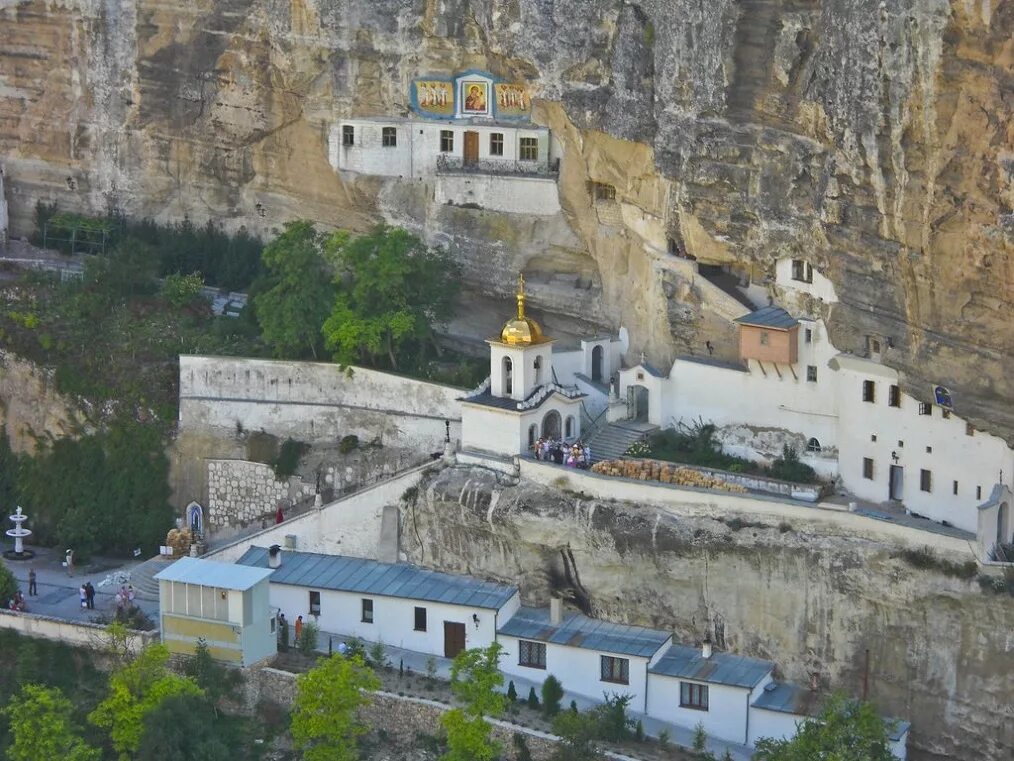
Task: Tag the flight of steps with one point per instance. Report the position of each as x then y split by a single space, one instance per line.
142 576
613 440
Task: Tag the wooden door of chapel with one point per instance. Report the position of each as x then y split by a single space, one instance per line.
454 638
471 147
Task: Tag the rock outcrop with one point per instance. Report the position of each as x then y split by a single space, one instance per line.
812 599
870 137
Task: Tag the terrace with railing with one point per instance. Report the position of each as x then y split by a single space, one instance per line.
447 164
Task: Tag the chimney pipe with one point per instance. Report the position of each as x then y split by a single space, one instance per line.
555 611
706 648
274 556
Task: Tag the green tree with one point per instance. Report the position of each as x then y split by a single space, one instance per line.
475 681
578 733
392 290
552 694
42 727
845 730
297 293
217 681
8 585
182 290
128 271
308 637
183 728
135 690
324 722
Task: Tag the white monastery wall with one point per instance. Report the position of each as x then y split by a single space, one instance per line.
727 707
514 195
930 442
348 526
774 724
393 618
315 401
579 671
820 287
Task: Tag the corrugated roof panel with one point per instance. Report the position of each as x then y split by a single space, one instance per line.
769 317
212 573
384 579
721 668
577 630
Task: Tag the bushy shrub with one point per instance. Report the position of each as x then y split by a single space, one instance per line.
289 456
552 694
789 468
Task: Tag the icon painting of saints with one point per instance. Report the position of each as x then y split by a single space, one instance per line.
475 98
433 98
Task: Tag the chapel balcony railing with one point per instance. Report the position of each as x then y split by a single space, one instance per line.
447 164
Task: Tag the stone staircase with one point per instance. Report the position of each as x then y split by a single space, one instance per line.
613 440
142 576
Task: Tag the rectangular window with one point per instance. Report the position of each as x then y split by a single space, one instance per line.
496 143
529 149
872 345
802 271
868 468
615 670
765 338
811 373
978 492
389 137
873 437
929 450
924 480
348 134
808 335
367 611
969 429
446 141
894 396
420 619
955 488
900 443
531 654
925 408
945 412
314 603
869 391
694 696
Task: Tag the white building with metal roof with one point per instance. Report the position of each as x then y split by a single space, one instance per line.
691 685
589 657
394 603
224 604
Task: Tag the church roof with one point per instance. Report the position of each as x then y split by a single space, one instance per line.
534 400
522 330
769 317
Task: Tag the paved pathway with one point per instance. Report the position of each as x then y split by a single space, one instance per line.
58 592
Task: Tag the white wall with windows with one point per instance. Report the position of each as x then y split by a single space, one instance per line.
801 276
580 670
391 620
939 465
507 432
721 709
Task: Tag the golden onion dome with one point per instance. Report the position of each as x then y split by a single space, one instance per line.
521 330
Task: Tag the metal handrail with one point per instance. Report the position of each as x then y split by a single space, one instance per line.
447 164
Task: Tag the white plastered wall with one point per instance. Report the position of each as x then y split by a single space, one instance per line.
726 717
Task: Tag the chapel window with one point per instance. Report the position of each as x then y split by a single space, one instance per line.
446 141
348 134
925 478
389 137
894 397
603 192
496 143
813 446
802 271
811 373
529 149
869 391
868 468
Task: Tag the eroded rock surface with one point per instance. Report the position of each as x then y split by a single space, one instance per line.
811 599
871 137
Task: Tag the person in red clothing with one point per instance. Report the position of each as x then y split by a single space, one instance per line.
299 626
279 516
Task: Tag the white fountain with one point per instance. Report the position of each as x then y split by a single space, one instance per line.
18 533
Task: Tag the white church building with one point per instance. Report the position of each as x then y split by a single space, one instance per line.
845 414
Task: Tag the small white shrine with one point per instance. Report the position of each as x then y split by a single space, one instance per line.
521 400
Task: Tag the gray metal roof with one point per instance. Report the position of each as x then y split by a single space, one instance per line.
345 574
785 697
212 573
721 668
577 630
769 317
486 399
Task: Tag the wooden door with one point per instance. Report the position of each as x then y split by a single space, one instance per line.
897 481
454 638
471 147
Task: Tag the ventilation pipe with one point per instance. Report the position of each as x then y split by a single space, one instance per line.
555 611
274 556
706 648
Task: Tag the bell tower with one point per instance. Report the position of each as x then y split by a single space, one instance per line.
521 358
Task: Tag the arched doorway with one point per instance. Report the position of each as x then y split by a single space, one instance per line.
637 403
1003 533
596 367
195 518
551 425
508 379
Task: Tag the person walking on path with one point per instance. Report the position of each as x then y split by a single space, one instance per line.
69 562
83 594
33 588
299 628
90 595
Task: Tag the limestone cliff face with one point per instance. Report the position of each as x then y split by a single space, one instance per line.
871 137
809 599
30 406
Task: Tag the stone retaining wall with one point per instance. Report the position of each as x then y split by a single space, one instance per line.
78 633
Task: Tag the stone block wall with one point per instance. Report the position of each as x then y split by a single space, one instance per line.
242 492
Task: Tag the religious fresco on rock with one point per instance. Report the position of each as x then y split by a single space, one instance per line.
469 94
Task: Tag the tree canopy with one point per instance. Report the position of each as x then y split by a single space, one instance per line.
391 290
475 681
297 292
324 722
42 727
183 728
845 730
